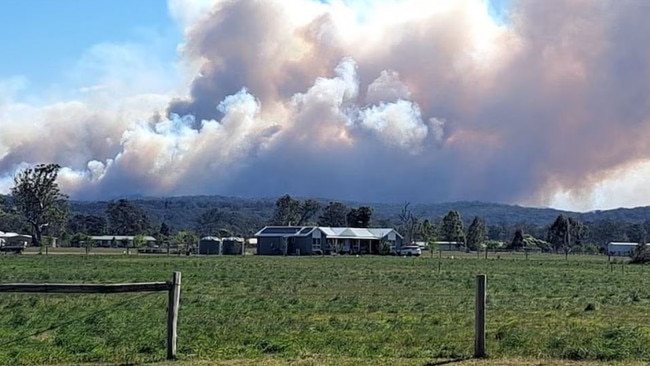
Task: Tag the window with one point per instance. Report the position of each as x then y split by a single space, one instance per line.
315 243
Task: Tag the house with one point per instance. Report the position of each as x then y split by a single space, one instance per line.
621 248
108 241
14 239
299 240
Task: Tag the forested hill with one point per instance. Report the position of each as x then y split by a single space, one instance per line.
183 212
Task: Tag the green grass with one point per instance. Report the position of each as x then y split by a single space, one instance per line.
345 308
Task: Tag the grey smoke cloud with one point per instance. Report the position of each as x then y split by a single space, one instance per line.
392 101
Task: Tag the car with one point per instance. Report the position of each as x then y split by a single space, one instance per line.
410 250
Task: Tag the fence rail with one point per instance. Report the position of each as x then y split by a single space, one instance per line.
173 288
70 288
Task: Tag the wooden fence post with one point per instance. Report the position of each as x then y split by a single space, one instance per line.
173 288
172 314
479 336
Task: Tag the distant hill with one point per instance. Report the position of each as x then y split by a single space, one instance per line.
182 212
637 214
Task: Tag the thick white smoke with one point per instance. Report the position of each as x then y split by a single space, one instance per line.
388 100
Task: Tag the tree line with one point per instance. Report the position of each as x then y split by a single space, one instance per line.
37 206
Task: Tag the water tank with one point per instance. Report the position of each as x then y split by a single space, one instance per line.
232 246
209 245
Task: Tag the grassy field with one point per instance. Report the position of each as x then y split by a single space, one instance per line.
329 310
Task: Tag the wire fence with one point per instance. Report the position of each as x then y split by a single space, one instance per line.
71 318
415 308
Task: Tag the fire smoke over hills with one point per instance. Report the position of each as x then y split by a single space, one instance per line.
399 100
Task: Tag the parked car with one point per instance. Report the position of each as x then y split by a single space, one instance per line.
410 250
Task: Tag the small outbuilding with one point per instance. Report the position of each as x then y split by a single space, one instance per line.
621 248
449 245
124 241
14 239
210 245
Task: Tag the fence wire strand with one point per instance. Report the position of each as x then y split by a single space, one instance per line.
72 321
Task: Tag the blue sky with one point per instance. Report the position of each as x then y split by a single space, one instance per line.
42 39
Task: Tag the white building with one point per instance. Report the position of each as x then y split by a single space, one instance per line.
14 239
109 241
449 245
620 248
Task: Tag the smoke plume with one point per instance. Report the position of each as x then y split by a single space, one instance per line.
391 100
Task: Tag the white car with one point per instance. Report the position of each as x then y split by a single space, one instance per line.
410 250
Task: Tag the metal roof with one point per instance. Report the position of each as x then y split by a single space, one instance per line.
330 232
14 235
621 243
285 231
120 237
212 238
233 238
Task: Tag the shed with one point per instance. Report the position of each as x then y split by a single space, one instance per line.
14 239
232 246
621 248
210 245
449 245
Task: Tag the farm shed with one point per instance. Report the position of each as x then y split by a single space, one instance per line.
14 239
621 248
232 246
449 245
300 240
108 241
210 245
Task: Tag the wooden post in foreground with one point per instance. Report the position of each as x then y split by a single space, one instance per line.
172 314
479 336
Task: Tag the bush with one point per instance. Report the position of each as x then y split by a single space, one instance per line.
641 254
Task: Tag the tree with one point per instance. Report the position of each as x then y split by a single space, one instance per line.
307 210
125 244
558 233
476 234
286 211
359 217
565 233
10 220
637 233
87 241
95 225
408 224
603 231
452 227
334 215
517 241
125 218
185 240
39 200
87 224
641 254
164 233
427 231
289 211
139 241
81 240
